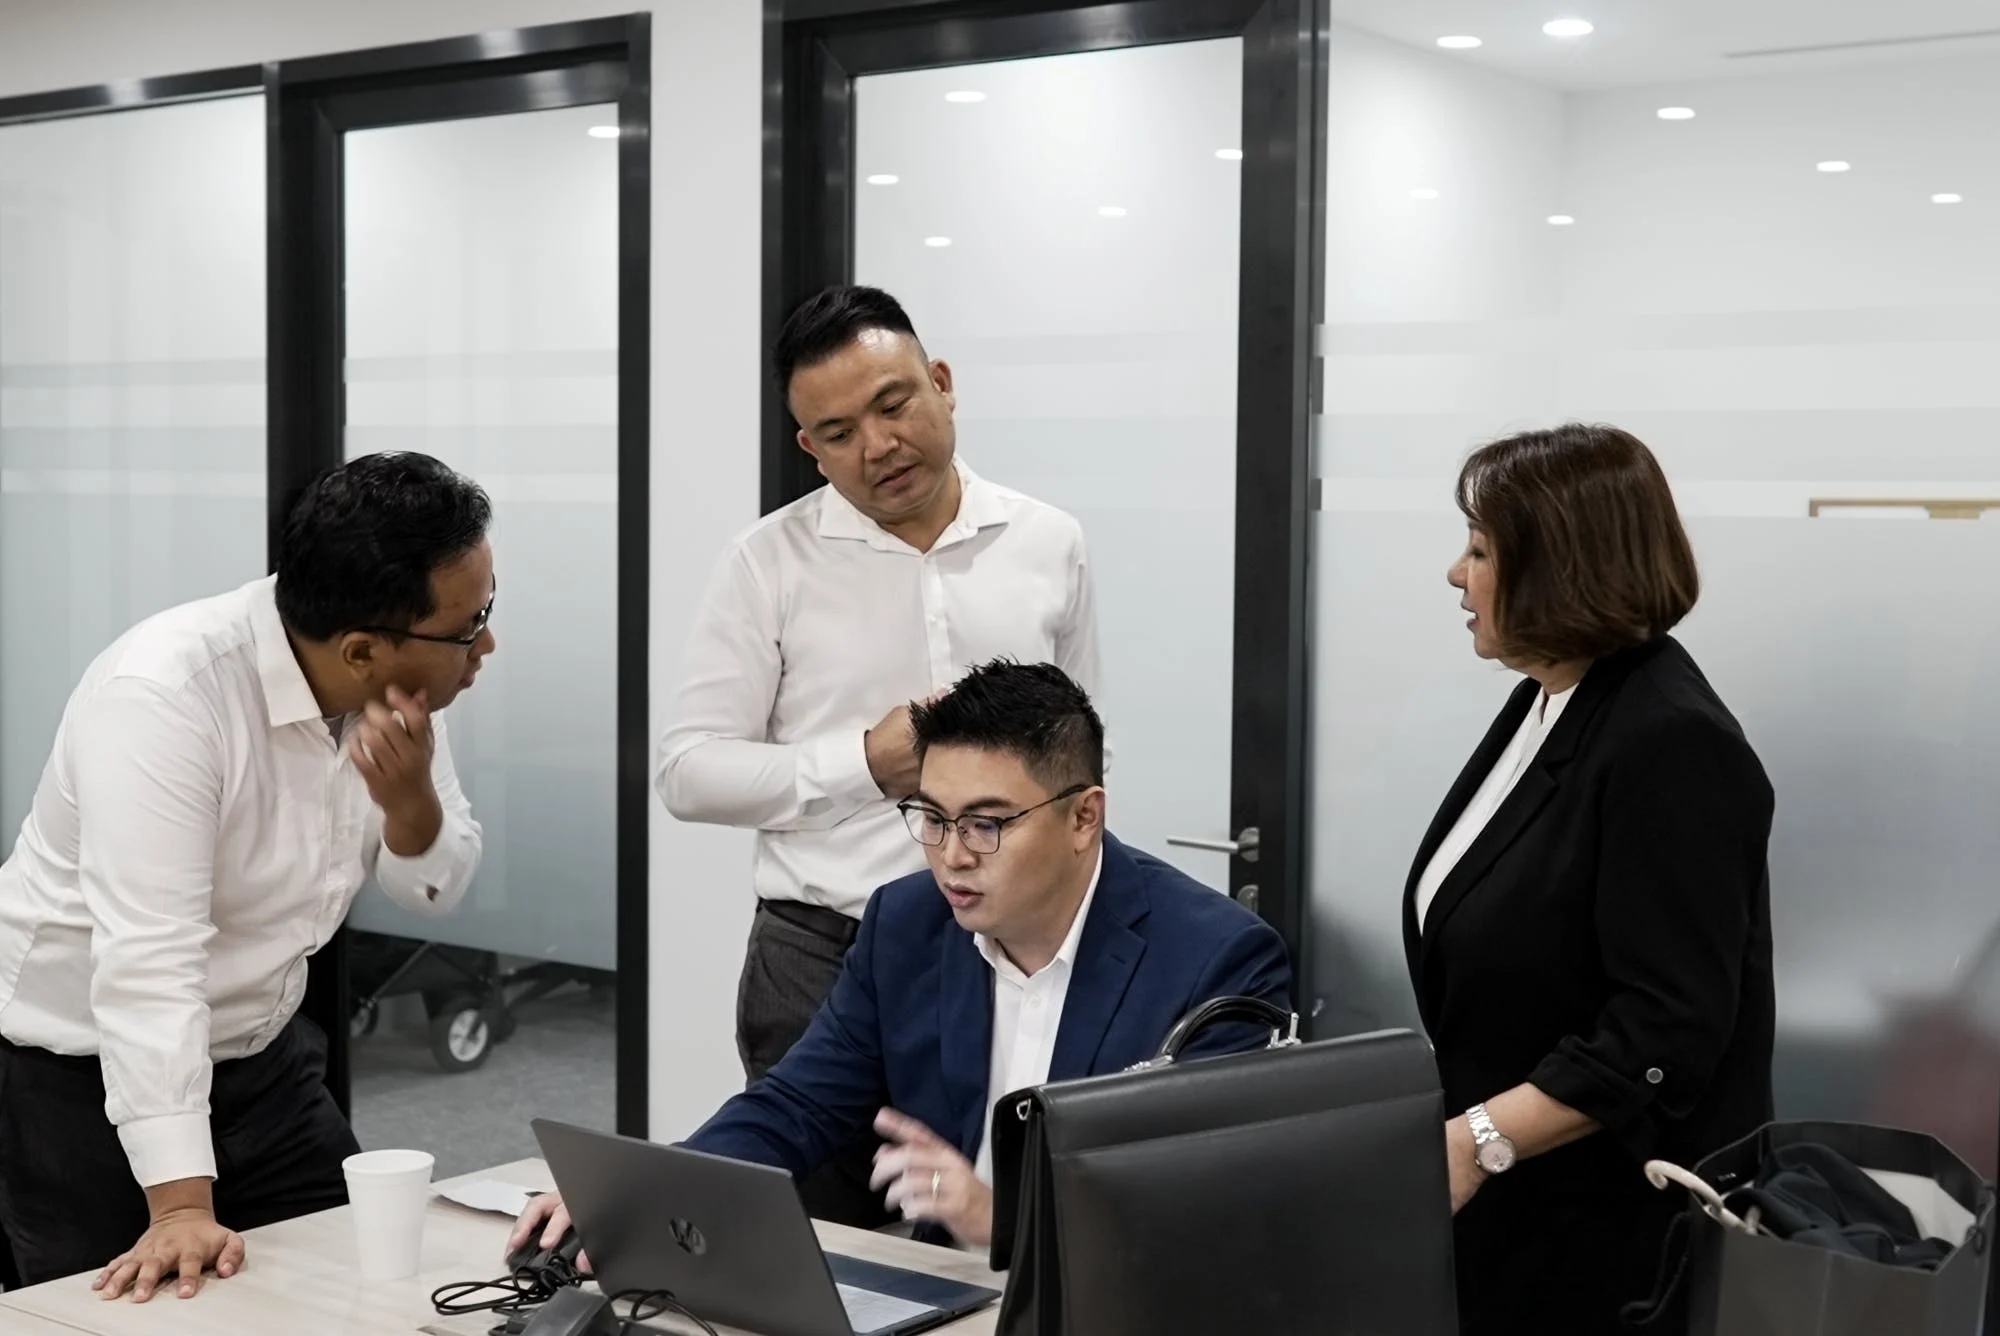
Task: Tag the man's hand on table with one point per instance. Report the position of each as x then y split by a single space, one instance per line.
183 1241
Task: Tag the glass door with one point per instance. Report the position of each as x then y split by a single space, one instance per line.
460 232
1107 230
481 313
1063 231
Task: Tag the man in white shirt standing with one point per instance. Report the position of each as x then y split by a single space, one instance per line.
823 622
224 778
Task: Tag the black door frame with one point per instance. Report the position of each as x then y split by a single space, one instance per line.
310 103
815 49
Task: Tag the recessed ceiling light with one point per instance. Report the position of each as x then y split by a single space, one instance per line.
1833 165
603 132
965 95
1568 28
1675 113
1460 43
883 179
1229 154
937 243
1560 220
1948 198
1424 192
1110 211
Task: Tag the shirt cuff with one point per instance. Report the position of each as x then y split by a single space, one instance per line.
168 1148
834 770
426 875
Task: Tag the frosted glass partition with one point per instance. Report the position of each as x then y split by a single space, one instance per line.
1792 342
131 391
1087 302
482 329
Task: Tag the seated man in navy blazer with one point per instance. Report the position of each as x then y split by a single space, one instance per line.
1036 948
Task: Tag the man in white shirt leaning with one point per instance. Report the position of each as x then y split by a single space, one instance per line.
224 778
823 622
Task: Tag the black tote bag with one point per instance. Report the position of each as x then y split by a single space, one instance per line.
1732 1282
1300 1188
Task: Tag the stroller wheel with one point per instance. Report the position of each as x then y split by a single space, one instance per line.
461 1033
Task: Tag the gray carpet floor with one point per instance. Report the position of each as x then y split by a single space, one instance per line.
561 1063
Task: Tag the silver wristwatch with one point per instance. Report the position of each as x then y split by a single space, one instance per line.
1490 1146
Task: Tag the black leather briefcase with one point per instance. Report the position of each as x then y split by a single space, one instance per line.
1297 1189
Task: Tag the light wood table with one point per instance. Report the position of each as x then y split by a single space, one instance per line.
300 1280
27 1324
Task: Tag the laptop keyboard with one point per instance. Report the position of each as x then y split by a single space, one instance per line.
870 1310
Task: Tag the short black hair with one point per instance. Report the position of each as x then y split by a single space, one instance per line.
360 546
828 321
1034 711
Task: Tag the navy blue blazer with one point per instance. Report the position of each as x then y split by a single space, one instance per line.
909 1023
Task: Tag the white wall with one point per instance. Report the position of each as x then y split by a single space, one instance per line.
707 383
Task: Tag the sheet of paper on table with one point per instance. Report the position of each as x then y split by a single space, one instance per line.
488 1194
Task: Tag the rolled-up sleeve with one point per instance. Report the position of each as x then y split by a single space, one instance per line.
434 881
714 763
147 774
1683 850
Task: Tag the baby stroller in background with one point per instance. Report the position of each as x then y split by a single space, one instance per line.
469 999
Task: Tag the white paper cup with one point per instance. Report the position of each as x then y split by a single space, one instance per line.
388 1192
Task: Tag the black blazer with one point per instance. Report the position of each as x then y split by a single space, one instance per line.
1608 938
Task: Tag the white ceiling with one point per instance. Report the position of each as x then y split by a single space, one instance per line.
1640 42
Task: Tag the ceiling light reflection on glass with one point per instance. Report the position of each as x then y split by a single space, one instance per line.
1229 154
1569 28
1834 165
1459 43
965 95
1424 192
937 243
1560 220
1948 197
883 179
1675 113
603 132
1110 211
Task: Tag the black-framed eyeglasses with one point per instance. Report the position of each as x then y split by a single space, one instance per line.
979 834
466 641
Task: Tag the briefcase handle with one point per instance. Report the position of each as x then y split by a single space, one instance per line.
1217 1010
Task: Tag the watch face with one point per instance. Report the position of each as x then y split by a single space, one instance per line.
1496 1156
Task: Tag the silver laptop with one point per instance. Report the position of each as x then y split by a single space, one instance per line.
731 1242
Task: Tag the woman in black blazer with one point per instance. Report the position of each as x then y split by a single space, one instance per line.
1588 919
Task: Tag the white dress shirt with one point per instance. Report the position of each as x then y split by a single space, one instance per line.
196 835
819 622
1493 791
1027 1012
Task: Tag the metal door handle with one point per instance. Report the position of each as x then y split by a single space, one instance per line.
1244 846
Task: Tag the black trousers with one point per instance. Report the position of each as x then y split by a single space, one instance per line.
68 1201
793 958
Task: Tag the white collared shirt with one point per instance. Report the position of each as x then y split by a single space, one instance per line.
197 833
817 623
1027 1013
1493 791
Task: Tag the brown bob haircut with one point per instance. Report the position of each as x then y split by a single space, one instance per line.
1588 551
